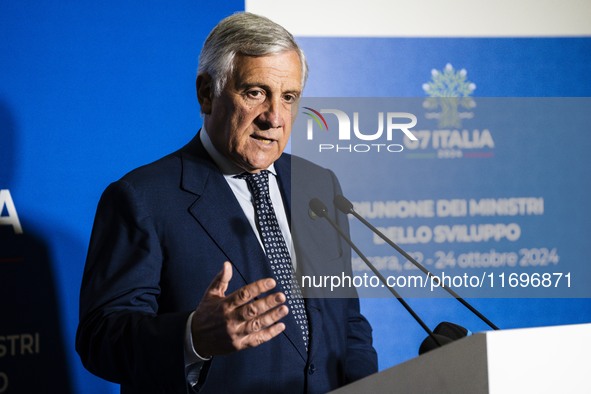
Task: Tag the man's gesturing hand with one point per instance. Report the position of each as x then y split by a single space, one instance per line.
224 324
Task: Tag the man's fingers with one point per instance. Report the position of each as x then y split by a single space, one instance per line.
249 292
265 320
265 335
222 324
255 308
219 284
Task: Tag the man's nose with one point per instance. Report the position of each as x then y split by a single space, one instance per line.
272 115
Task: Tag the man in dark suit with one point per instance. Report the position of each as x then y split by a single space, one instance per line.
182 288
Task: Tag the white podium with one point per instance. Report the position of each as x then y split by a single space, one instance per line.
531 360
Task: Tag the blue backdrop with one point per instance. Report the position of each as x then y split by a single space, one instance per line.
88 91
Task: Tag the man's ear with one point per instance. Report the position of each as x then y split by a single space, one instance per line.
204 92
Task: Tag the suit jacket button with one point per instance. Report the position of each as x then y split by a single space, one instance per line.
311 369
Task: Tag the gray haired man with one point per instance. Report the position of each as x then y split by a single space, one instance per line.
190 280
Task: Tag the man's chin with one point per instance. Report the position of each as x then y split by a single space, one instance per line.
259 164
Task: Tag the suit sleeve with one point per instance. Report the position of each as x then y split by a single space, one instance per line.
121 337
362 359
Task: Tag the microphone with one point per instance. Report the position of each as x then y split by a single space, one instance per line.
346 206
319 209
445 332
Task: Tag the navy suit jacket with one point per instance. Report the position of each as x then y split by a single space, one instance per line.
161 234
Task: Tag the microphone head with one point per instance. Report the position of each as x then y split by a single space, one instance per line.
451 330
343 204
318 208
430 344
445 332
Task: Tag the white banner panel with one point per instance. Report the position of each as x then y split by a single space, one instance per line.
428 18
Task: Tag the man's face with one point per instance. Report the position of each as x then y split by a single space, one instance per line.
250 121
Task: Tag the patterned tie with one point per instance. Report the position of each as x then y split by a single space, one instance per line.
276 248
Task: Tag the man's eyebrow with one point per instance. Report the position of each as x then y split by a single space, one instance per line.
248 85
295 92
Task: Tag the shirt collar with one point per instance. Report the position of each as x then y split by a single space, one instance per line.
224 164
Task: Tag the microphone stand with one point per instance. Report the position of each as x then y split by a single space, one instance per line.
320 210
345 206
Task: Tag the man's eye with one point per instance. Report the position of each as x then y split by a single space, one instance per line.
290 98
255 94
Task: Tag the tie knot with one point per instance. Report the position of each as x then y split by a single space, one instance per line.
258 183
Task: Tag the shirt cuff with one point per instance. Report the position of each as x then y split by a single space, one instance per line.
191 356
193 361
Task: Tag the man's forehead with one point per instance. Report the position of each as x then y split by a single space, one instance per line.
286 64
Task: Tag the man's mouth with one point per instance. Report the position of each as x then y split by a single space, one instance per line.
262 139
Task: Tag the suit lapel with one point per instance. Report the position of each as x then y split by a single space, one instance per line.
220 214
314 308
